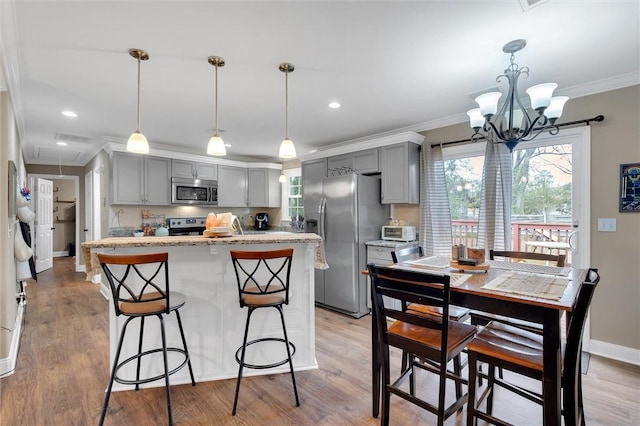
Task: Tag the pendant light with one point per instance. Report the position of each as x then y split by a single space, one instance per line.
216 144
282 178
287 149
137 142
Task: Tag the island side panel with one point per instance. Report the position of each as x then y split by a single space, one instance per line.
213 320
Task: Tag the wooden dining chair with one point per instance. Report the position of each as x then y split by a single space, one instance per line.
420 337
456 313
556 259
520 351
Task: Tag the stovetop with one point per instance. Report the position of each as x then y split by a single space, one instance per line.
186 225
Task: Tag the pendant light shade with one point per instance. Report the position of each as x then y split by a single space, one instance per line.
137 141
216 144
287 149
282 178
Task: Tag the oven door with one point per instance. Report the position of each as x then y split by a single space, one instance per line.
194 191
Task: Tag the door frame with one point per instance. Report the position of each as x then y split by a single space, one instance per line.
76 182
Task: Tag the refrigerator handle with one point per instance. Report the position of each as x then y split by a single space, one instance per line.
323 204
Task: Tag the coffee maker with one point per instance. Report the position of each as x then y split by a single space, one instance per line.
262 221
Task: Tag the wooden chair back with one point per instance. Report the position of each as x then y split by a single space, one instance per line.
137 279
558 259
571 371
262 273
407 253
410 287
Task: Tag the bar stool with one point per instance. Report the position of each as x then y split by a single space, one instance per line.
140 288
263 282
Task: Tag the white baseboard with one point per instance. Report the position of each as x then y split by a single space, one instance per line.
617 352
60 254
8 365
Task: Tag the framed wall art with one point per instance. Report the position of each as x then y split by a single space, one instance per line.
630 187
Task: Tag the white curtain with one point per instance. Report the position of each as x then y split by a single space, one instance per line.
435 217
494 229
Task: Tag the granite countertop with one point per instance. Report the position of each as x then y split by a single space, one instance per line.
197 240
391 244
92 264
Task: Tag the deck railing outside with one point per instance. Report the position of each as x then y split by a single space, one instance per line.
525 236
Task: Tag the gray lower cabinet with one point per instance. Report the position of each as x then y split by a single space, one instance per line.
191 169
140 179
400 173
264 188
232 186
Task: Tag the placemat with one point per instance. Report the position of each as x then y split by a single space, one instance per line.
528 267
431 262
529 284
455 281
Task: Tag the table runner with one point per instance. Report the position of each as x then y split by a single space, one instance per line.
528 267
529 284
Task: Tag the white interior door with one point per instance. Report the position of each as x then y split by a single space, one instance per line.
88 206
44 224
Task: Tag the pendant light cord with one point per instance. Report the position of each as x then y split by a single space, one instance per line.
138 128
286 104
216 98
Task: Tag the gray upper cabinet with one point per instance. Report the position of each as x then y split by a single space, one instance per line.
232 186
191 169
363 162
264 189
400 170
366 161
140 179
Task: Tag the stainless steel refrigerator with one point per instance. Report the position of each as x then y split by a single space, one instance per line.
346 212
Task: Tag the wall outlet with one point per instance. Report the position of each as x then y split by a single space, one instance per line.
606 225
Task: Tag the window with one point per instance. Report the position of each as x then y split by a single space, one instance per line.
541 209
292 207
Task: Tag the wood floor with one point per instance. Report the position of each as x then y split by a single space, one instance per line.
63 369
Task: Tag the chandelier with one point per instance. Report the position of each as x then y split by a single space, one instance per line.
512 122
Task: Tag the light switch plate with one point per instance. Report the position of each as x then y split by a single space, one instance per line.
607 224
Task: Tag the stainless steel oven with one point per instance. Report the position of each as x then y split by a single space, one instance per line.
194 191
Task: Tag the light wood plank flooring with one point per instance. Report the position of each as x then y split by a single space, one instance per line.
63 369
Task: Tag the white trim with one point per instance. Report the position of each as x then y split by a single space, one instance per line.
167 151
63 253
616 352
284 199
8 365
374 141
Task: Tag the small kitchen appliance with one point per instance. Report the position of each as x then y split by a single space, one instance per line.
262 221
399 233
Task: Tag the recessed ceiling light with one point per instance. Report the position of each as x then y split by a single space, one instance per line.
61 143
69 114
334 105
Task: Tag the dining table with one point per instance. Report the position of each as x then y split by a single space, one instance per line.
487 289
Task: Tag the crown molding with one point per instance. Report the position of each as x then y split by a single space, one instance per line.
113 144
374 141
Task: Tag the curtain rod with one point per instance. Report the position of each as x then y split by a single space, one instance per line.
585 121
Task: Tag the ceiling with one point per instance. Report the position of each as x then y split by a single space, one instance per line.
394 66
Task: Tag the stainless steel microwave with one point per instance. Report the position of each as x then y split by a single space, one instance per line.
194 191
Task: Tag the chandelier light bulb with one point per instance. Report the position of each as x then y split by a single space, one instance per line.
287 149
216 146
540 95
554 110
488 103
476 120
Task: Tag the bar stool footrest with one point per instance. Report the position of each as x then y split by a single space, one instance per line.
149 379
265 366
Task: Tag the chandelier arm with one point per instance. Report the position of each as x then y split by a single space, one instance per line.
544 123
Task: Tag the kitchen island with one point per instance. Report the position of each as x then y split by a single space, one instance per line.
213 321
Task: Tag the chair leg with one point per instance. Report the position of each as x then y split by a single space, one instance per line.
386 380
103 413
184 343
244 348
490 381
471 403
286 342
442 388
412 376
139 352
457 370
166 369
